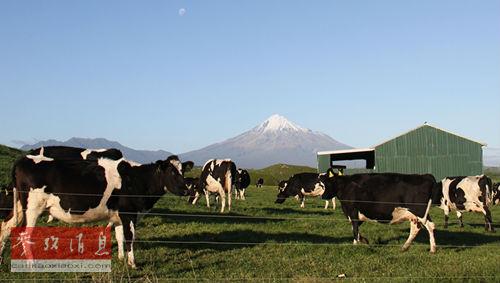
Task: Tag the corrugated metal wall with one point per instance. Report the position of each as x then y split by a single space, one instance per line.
323 163
430 150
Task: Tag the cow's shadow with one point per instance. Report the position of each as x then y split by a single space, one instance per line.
238 239
302 211
450 239
213 217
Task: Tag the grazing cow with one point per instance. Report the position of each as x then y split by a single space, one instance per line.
386 198
192 184
81 191
69 153
217 177
300 186
242 183
260 183
472 194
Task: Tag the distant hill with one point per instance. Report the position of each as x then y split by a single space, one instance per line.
141 156
492 156
7 157
276 140
272 175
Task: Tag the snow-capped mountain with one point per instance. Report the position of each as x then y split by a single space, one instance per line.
276 140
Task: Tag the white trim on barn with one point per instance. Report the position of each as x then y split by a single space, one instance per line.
346 151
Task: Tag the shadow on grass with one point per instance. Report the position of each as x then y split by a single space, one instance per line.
213 217
302 211
238 239
450 238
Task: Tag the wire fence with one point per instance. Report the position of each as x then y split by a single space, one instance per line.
239 217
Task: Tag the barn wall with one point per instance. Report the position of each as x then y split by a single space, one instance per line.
323 163
430 150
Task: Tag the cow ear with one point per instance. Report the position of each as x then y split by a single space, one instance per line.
162 164
187 166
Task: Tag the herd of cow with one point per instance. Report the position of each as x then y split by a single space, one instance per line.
77 185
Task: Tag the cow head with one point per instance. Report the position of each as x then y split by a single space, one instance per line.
282 192
331 185
495 194
172 175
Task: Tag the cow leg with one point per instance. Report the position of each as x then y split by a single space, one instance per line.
196 197
36 205
207 196
446 216
334 204
429 225
229 187
129 222
358 239
488 220
115 221
222 195
326 204
356 223
6 228
414 229
460 219
302 201
242 196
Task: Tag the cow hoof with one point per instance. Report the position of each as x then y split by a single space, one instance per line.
433 251
405 248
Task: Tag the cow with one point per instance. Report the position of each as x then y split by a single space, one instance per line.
242 182
386 198
259 183
192 185
217 177
81 191
469 194
302 185
69 153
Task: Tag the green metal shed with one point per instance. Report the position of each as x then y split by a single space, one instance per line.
426 149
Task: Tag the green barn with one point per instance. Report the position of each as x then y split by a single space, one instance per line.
426 149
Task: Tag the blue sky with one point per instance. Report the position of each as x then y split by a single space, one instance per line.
139 73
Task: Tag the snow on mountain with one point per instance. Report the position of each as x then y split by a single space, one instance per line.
276 140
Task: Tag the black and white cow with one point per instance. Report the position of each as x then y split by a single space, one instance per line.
70 153
300 186
192 185
260 183
242 182
217 177
386 198
80 191
469 194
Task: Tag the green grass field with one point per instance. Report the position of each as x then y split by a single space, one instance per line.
263 241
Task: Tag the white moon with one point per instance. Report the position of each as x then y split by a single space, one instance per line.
182 11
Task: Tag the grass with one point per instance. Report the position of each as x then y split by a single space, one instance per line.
284 242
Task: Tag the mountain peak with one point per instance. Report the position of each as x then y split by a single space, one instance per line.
277 123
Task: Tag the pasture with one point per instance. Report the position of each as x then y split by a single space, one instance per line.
265 242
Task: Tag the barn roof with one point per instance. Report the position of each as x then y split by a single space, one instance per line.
432 126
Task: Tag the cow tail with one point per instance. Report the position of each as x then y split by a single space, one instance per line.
234 173
429 205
